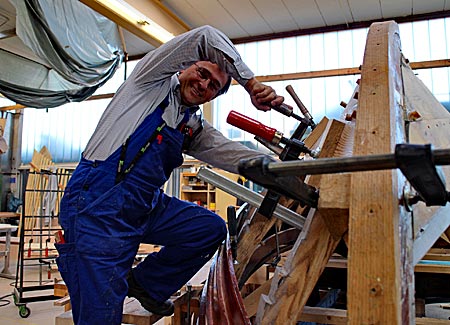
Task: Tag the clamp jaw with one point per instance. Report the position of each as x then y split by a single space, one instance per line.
417 164
256 170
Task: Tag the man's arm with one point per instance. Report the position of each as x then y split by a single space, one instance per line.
214 148
200 44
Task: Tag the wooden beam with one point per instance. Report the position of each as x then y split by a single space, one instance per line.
12 107
430 64
160 14
4 34
380 273
171 14
343 71
123 21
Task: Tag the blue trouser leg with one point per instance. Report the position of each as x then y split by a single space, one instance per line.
102 242
190 235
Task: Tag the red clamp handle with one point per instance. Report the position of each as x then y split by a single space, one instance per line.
250 125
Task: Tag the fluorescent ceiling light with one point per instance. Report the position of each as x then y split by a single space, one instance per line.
124 12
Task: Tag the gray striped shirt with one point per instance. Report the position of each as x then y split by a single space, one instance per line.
154 77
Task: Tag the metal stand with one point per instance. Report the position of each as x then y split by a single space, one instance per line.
41 194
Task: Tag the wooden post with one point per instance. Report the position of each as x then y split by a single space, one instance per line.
380 272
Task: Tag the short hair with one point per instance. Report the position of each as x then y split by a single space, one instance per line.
225 88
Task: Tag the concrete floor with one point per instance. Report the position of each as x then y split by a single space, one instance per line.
42 313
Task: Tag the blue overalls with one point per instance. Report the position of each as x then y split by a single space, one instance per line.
105 220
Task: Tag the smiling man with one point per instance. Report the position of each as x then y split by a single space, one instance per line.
114 200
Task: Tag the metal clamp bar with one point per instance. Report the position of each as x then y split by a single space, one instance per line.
253 198
346 164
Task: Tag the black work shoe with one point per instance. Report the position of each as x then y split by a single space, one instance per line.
163 308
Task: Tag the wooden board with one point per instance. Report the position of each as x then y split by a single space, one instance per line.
432 127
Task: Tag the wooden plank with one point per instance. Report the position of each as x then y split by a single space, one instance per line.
446 235
134 313
436 224
430 267
293 283
252 300
439 267
437 256
324 315
249 238
7 215
64 318
317 133
380 275
309 314
283 304
432 127
431 321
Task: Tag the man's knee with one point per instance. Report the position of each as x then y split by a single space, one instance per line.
218 228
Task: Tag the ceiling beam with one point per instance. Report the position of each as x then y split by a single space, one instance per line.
148 9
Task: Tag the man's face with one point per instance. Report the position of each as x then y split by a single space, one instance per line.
201 82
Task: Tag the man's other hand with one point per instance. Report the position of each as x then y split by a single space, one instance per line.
263 97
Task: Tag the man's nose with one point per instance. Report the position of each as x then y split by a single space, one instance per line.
204 83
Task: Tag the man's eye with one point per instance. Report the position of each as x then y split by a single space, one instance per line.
215 86
202 73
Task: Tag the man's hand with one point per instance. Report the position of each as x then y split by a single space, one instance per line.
263 97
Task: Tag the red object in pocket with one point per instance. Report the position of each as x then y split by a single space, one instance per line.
59 237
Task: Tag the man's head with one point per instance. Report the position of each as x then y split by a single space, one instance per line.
202 82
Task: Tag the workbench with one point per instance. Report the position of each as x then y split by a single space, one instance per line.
7 229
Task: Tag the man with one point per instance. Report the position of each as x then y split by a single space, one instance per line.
114 200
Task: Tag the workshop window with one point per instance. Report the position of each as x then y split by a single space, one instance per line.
421 41
66 130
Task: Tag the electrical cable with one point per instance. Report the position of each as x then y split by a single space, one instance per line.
4 302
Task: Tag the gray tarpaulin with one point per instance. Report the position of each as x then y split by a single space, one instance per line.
79 50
